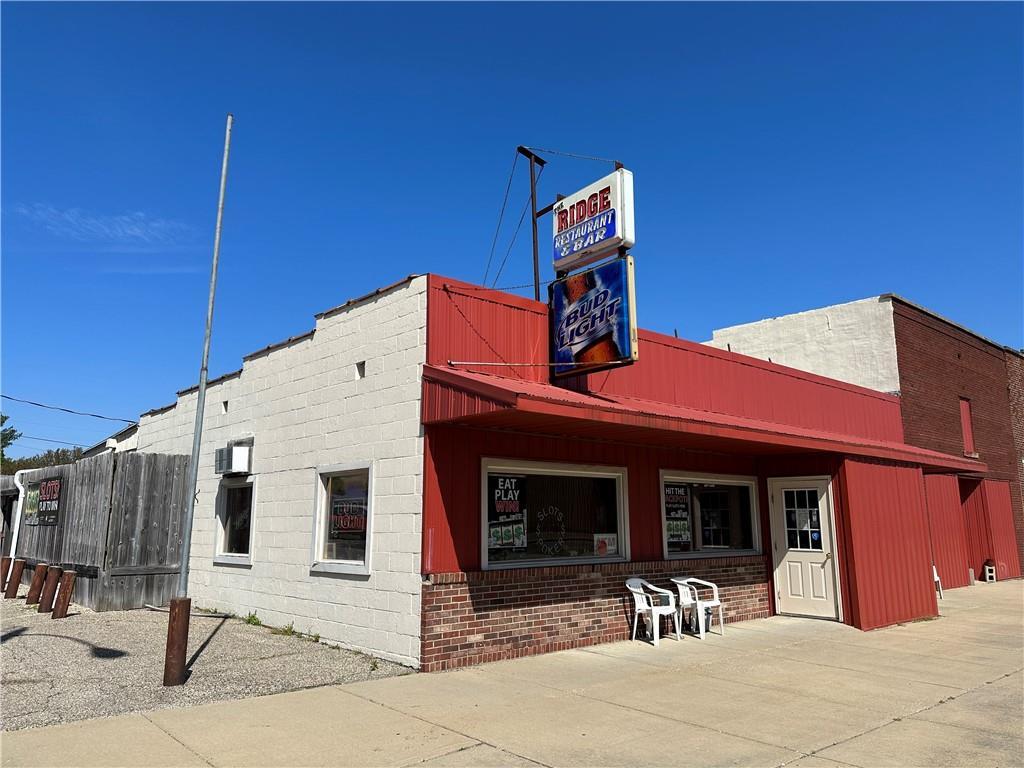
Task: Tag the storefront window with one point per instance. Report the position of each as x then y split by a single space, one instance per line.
705 515
548 513
343 520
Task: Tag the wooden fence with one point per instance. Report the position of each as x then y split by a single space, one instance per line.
119 526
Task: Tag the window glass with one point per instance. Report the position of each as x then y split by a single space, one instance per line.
344 531
803 519
237 519
703 516
531 515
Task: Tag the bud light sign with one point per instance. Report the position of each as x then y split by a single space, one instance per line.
593 315
593 222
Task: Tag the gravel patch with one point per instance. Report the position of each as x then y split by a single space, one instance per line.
102 664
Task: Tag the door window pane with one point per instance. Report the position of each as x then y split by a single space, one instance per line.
803 519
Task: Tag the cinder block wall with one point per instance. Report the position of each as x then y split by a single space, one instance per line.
305 407
470 618
940 363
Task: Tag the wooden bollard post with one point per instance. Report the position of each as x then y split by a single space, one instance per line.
14 582
53 574
5 566
67 586
36 586
177 641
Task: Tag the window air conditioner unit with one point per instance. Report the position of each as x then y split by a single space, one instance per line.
233 460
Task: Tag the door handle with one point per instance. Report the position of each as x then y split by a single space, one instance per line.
827 558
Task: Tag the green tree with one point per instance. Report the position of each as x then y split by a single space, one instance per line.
7 436
50 458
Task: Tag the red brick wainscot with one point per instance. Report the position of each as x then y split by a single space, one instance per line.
471 618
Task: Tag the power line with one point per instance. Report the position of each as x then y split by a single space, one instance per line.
48 440
66 410
515 234
501 215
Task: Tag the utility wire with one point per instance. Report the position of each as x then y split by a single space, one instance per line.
66 410
515 234
501 214
48 440
570 154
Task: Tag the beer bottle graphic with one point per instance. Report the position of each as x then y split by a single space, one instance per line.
602 349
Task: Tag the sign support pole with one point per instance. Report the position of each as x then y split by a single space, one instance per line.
181 606
535 160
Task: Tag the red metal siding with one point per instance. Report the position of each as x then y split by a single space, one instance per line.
948 532
468 324
451 508
696 376
1001 532
886 532
979 536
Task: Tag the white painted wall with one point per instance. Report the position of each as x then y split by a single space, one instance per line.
305 408
853 342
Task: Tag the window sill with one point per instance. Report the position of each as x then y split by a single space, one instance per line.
240 561
712 554
351 569
512 565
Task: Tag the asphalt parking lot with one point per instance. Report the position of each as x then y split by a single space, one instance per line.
99 664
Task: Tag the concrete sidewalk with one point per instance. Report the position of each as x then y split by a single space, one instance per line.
774 692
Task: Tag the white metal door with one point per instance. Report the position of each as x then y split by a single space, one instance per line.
803 547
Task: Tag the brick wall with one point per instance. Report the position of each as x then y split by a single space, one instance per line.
306 405
939 363
470 618
1015 375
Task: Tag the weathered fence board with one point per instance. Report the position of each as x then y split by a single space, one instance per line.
119 524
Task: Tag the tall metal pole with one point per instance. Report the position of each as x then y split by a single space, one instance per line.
197 435
180 608
535 160
533 220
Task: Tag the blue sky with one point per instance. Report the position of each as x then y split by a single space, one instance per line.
785 157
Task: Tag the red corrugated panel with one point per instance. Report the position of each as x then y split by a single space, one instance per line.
979 541
948 531
469 324
1001 529
886 529
451 504
607 415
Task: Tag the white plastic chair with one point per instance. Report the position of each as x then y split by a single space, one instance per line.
704 608
938 581
644 606
687 599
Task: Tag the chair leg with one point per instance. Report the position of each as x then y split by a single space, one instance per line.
636 618
700 620
675 619
655 621
721 621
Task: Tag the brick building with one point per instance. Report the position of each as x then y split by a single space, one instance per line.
413 484
960 393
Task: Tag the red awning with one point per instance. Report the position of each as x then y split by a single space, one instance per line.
454 396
